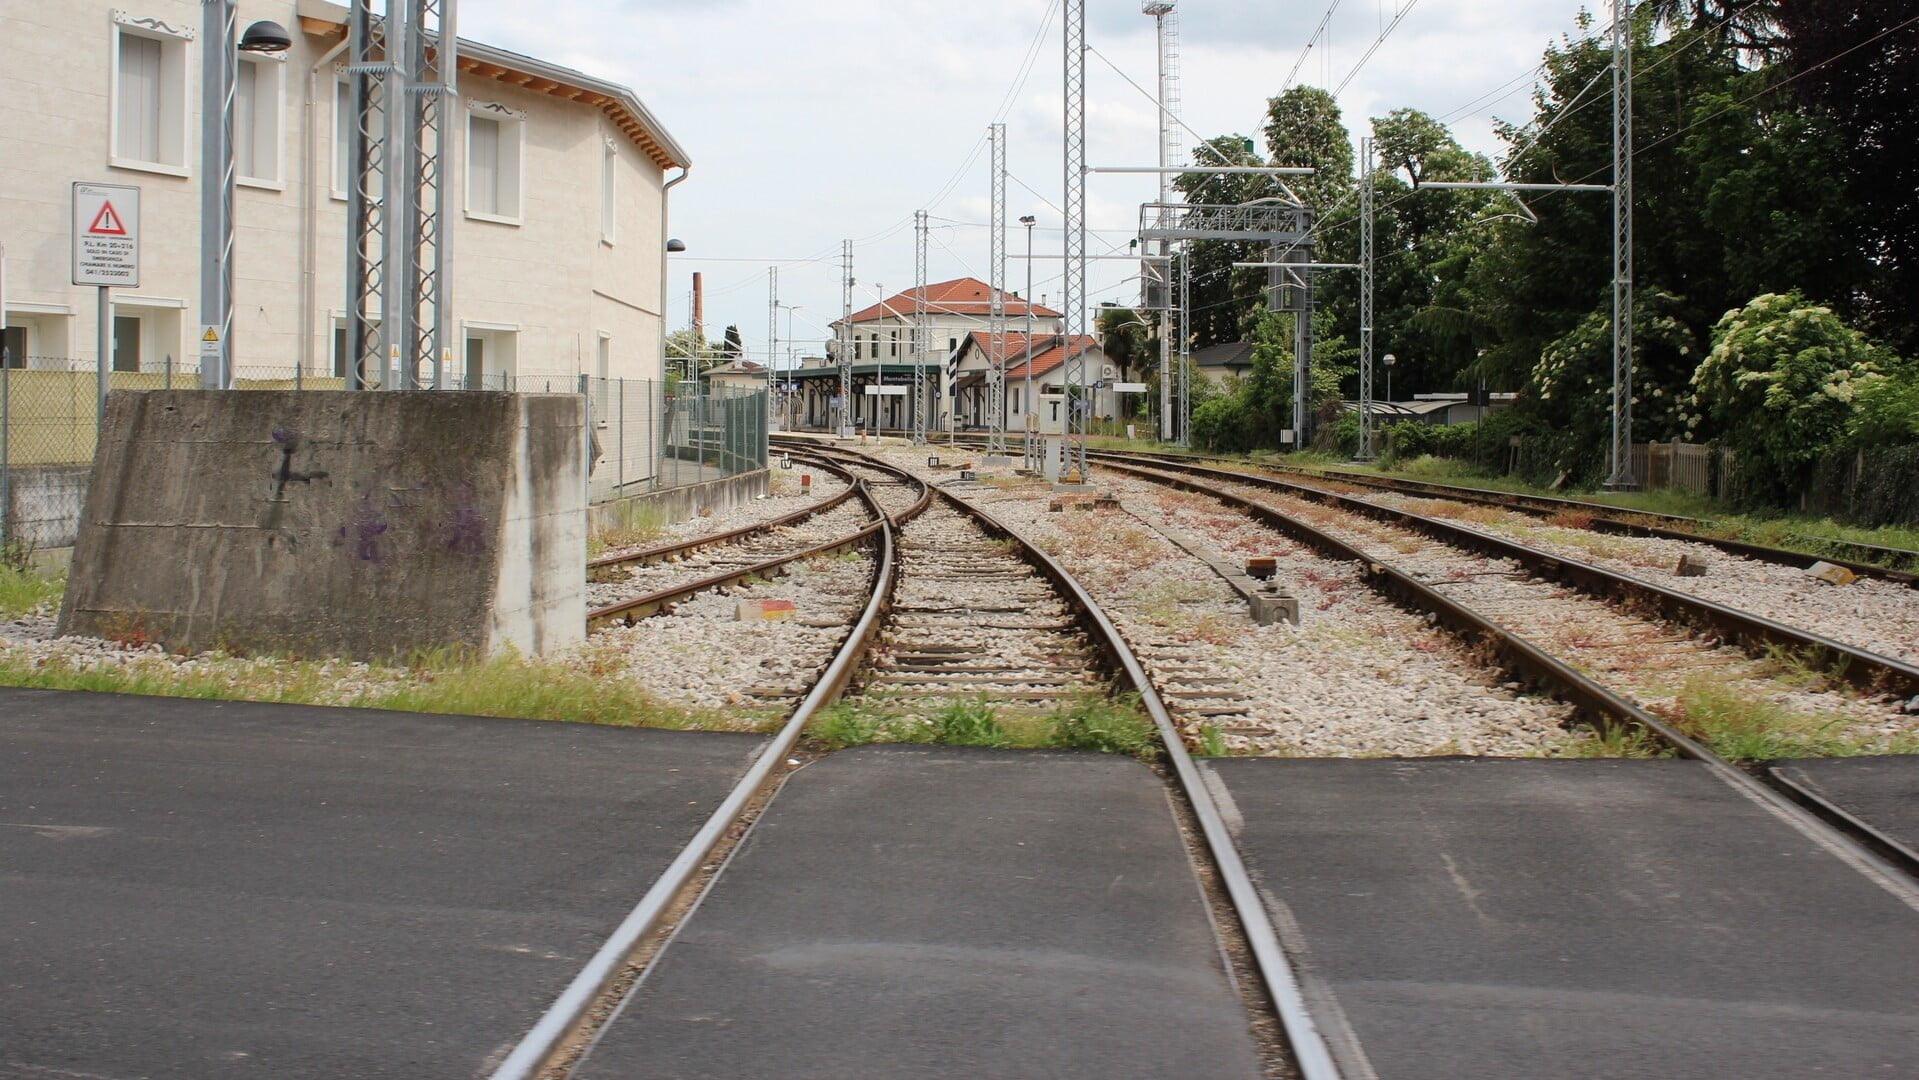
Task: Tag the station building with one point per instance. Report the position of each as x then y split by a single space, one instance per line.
556 182
881 337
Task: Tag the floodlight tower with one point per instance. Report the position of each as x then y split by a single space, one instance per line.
996 302
1166 22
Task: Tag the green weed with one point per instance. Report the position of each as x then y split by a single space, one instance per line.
1108 725
969 723
1749 729
1211 742
24 591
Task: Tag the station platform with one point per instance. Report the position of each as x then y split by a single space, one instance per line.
911 911
1573 919
1882 792
206 889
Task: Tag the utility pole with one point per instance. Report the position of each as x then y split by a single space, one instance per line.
1183 434
772 337
1365 300
1166 22
1029 404
1620 475
399 299
219 71
919 327
846 337
1073 287
996 302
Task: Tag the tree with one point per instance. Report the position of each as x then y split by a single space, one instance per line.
1781 387
732 346
1854 65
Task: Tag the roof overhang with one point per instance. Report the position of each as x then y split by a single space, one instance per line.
620 103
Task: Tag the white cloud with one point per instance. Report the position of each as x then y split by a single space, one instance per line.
810 122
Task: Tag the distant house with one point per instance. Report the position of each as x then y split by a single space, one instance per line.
1045 357
737 374
881 339
1437 409
1228 359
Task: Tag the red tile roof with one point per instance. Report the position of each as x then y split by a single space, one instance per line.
1053 355
961 296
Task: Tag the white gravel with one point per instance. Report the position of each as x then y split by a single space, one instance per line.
1875 615
624 583
1358 678
1647 660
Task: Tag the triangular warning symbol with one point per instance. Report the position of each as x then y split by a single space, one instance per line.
210 335
107 222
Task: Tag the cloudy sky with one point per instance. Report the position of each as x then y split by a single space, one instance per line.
813 122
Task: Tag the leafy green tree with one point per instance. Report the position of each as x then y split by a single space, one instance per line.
732 346
1781 387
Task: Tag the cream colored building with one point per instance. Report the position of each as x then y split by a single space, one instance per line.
556 180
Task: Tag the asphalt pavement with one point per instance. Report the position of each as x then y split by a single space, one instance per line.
200 889
1882 792
911 911
1575 919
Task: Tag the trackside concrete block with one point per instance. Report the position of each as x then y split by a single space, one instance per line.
321 523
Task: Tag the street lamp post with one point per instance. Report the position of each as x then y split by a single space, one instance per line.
1389 358
219 73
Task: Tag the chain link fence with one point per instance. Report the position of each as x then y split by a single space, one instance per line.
644 434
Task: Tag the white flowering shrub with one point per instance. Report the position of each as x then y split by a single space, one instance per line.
1780 386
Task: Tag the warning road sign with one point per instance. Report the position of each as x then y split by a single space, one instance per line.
106 235
107 222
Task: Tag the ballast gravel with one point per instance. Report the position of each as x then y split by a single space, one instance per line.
1871 614
1358 677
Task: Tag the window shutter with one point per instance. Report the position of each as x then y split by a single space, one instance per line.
139 104
483 164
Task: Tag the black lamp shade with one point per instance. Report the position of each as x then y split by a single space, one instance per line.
266 36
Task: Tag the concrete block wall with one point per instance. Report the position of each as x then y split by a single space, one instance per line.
309 523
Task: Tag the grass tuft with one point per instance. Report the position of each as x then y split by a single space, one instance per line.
26 591
1750 729
1108 725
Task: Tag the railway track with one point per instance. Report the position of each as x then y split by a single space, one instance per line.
677 550
961 610
1499 606
1860 666
640 589
1867 560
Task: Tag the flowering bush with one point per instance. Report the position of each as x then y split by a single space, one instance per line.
1780 386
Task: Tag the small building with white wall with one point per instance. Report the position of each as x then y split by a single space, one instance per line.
557 183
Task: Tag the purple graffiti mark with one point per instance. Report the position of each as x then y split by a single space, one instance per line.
465 531
363 533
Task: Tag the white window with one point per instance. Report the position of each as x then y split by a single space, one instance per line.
609 192
149 89
258 101
342 135
494 138
603 360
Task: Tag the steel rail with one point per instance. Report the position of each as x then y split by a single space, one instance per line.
1861 667
664 551
1310 1049
549 1035
628 612
1606 518
1620 520
1862 846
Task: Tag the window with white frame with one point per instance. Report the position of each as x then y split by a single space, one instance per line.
609 192
494 141
149 88
258 103
342 135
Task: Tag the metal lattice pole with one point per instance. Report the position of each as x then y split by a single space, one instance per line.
1183 433
369 71
996 301
920 237
432 68
1620 466
1365 300
846 337
1166 25
1303 346
772 339
1073 288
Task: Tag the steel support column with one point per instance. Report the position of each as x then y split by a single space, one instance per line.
846 338
996 300
920 238
1073 288
1619 463
1365 300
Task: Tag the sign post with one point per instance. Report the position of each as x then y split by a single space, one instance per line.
106 254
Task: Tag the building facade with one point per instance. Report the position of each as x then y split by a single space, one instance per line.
881 338
556 183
